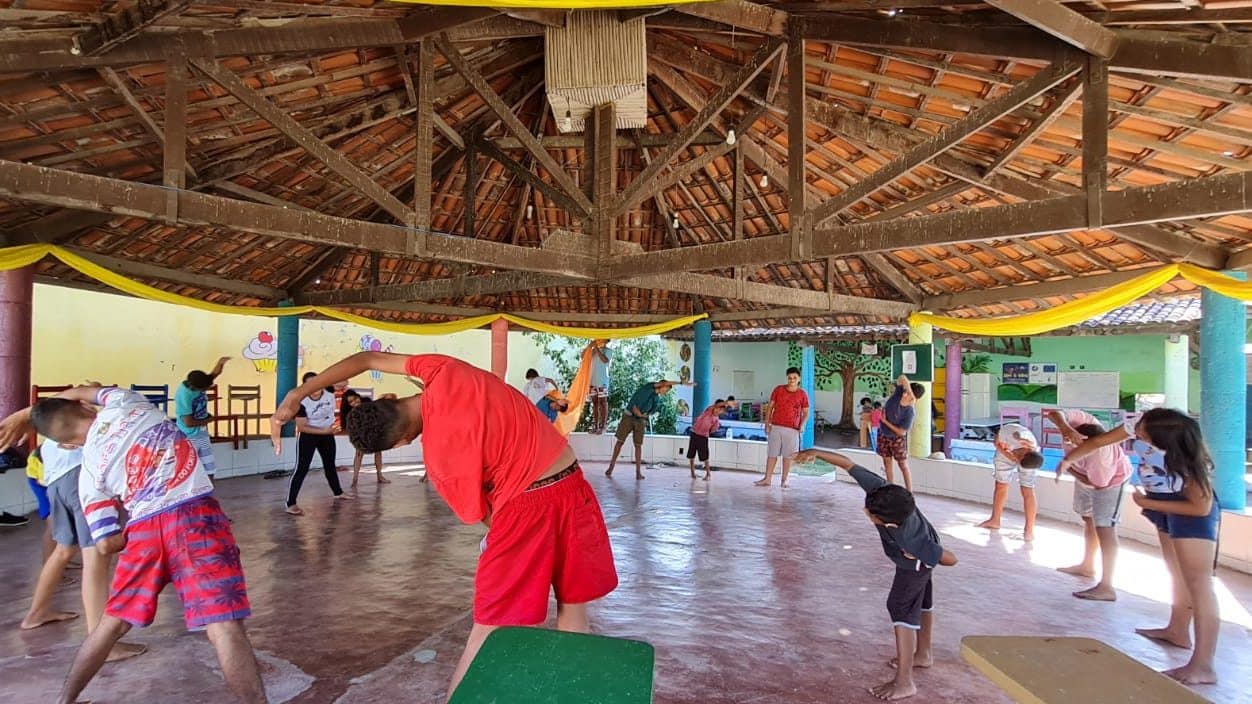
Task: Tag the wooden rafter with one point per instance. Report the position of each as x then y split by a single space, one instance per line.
1062 23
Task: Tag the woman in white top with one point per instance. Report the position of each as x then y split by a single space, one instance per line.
315 421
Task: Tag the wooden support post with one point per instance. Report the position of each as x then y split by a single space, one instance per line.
424 92
801 239
737 196
1095 136
175 148
471 191
604 178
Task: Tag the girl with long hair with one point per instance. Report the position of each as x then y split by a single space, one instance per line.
1175 473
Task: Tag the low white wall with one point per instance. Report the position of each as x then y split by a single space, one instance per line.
960 480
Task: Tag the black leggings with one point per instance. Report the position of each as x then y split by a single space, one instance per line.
324 445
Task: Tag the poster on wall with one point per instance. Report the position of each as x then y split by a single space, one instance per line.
1042 374
1016 373
1089 390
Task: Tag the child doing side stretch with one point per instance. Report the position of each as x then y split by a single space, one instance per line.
495 460
134 458
1175 469
704 425
912 544
351 400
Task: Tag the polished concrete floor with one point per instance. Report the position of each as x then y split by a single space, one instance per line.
749 595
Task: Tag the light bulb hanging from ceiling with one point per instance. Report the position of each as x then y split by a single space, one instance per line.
675 222
730 137
764 180
530 211
567 122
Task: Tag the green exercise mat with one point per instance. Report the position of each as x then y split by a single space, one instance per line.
536 665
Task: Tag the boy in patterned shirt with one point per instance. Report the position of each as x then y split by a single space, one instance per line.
136 458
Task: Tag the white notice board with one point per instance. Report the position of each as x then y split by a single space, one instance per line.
1088 390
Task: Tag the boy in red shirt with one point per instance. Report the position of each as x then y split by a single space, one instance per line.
787 411
494 459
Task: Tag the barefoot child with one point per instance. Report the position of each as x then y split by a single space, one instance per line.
494 460
1017 453
136 457
897 420
1174 470
912 544
644 402
191 411
1098 482
702 427
350 400
863 421
875 422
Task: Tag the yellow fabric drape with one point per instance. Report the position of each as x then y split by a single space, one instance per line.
554 4
577 396
26 255
1091 306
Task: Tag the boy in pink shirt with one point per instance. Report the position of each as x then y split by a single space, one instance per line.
704 425
1098 482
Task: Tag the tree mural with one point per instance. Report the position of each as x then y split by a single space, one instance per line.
844 361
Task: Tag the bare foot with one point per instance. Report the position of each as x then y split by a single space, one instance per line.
638 477
1098 593
1190 674
918 661
608 472
383 480
344 497
1077 571
295 510
761 482
1029 536
891 691
125 651
1166 636
43 619
784 485
989 525
693 475
706 476
352 486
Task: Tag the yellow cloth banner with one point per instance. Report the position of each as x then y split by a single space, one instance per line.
555 4
26 255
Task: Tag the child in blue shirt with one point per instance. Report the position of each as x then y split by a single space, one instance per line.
911 542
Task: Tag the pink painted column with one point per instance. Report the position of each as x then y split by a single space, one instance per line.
500 348
952 396
17 289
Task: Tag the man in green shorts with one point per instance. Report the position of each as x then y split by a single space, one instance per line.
645 401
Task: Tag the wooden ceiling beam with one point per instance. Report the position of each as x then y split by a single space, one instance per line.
1058 288
434 289
297 133
741 290
1054 111
952 135
740 15
513 125
55 187
624 140
180 275
713 106
122 26
550 190
1062 23
893 276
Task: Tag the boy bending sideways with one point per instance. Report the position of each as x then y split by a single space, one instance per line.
137 459
912 544
497 461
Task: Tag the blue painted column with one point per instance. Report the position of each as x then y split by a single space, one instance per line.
701 395
288 360
1223 392
808 381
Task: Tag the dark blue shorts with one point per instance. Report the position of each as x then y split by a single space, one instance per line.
41 497
1176 526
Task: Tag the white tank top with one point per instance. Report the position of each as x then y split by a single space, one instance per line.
320 412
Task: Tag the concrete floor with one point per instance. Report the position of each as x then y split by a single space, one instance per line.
749 595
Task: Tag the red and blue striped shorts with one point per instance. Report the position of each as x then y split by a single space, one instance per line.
190 545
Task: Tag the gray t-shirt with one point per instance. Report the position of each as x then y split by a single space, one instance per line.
897 415
914 536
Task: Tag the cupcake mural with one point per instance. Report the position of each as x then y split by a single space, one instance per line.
369 343
263 351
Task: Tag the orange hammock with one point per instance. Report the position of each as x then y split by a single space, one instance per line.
577 396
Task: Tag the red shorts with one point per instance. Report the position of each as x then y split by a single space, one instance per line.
546 539
190 545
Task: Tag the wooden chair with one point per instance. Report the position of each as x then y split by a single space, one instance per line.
157 394
245 396
541 666
1027 669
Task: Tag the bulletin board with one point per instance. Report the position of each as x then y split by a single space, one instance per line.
1089 390
915 361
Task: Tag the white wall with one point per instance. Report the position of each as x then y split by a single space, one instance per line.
767 360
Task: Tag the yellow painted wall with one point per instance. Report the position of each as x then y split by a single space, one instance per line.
80 335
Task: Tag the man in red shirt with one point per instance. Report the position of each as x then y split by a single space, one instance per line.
494 459
784 416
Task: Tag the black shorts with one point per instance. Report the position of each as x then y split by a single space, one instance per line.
912 592
698 446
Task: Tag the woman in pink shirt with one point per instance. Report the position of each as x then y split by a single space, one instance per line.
1098 482
704 425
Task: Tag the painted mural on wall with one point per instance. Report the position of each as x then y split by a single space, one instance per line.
262 351
841 366
369 343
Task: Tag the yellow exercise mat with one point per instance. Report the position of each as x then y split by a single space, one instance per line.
1043 670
